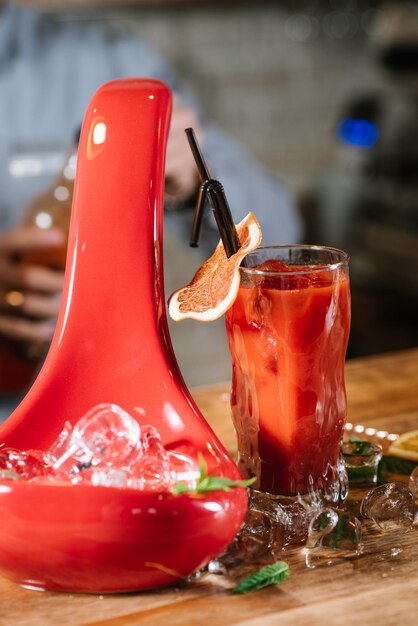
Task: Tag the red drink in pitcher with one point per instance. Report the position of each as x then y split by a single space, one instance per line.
288 330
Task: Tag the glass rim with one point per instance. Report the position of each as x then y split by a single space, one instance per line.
345 259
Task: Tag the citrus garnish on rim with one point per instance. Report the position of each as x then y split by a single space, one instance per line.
406 446
214 287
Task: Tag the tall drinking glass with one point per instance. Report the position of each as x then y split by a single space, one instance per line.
288 330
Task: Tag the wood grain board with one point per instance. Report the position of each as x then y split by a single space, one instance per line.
374 589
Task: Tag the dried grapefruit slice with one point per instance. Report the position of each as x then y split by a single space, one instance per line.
214 287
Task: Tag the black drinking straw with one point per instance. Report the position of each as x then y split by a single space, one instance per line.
213 190
198 155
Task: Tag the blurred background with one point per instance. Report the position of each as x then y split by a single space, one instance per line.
325 94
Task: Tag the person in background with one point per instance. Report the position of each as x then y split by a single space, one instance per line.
49 70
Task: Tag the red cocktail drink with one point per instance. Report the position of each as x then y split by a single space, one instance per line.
288 331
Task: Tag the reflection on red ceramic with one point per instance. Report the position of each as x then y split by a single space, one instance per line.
100 539
112 345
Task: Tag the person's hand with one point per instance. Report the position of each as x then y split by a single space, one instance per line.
29 294
181 176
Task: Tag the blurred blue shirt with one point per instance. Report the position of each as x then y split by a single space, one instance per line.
49 70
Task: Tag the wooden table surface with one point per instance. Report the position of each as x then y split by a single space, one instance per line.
374 589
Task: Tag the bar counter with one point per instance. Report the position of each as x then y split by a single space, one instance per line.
376 588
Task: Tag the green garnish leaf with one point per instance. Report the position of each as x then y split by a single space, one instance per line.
180 488
394 465
207 482
202 466
270 575
216 483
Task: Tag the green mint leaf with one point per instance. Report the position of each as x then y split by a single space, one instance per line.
216 483
207 482
203 484
395 465
266 576
180 488
202 466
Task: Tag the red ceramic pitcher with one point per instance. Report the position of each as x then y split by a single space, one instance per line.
112 345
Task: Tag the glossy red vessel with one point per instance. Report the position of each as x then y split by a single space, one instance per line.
112 345
288 331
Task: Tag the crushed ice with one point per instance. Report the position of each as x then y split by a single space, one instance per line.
107 447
